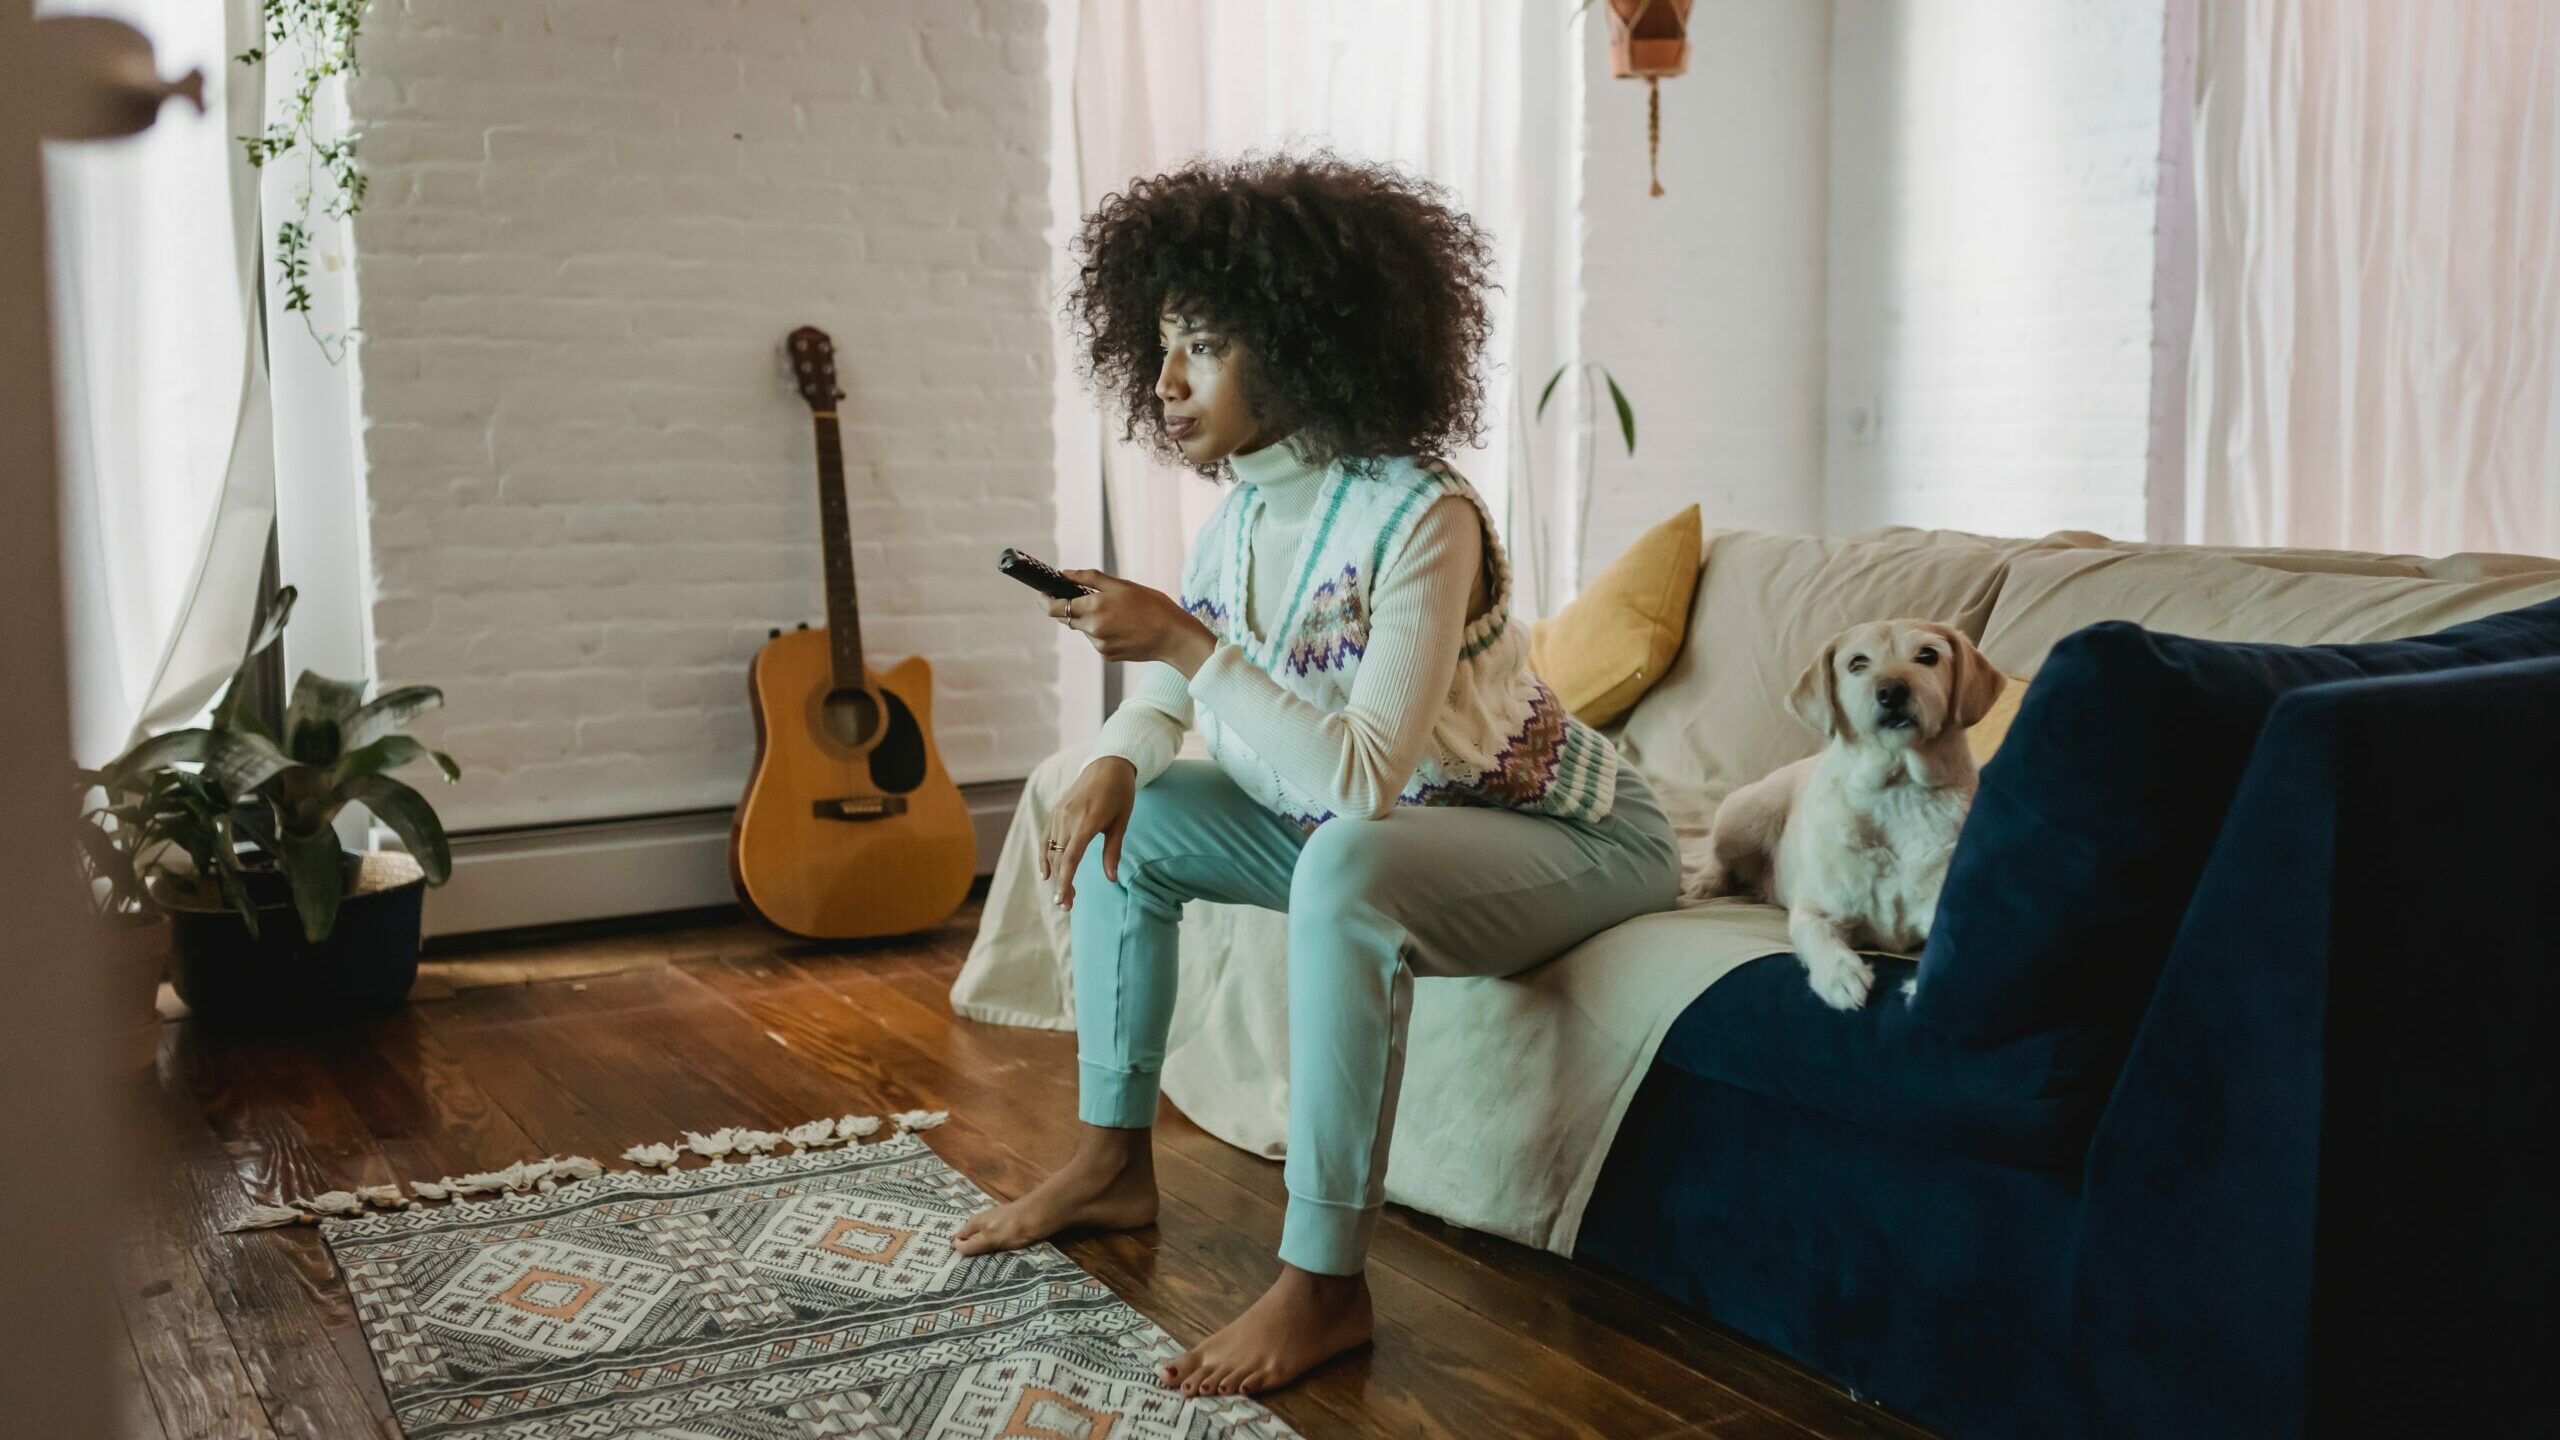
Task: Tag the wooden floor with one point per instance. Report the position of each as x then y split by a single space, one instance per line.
727 1024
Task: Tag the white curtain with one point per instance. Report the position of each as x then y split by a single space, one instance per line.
168 479
1431 85
2376 360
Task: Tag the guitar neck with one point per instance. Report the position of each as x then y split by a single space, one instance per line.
844 607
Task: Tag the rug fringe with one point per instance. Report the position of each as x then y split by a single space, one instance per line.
549 1174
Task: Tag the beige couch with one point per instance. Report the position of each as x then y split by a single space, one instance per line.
1514 1088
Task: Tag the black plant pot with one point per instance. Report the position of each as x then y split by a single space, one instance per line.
276 979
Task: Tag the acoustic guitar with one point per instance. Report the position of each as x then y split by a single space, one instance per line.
850 827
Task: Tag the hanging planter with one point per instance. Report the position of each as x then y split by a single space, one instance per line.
1648 41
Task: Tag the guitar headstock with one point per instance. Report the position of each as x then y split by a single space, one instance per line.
813 365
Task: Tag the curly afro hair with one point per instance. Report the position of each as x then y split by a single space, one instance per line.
1358 290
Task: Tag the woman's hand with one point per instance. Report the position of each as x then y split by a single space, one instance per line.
1128 621
1098 803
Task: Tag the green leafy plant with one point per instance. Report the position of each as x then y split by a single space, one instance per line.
1626 411
207 792
323 33
112 839
1617 397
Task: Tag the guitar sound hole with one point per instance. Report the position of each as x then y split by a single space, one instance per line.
852 717
897 765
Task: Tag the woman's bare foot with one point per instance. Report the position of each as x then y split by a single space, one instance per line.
1302 1321
1110 1184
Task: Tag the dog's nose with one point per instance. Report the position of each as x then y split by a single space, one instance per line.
1893 694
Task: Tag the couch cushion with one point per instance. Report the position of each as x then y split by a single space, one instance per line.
1761 1029
1933 1282
2095 817
1765 605
1616 639
2049 594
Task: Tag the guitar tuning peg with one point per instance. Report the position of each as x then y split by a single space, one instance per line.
804 624
774 634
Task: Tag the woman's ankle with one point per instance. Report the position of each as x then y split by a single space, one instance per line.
1324 1287
1116 1150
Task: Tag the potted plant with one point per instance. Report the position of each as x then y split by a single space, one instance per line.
273 923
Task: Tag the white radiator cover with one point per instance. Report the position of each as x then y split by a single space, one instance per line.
504 879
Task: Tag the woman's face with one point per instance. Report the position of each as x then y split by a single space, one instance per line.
1204 383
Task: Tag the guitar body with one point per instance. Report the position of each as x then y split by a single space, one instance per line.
834 841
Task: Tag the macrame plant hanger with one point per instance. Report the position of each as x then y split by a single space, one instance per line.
1649 40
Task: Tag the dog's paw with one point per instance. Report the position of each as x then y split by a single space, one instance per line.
1711 882
1842 984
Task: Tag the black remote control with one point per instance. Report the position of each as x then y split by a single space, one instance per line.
1040 576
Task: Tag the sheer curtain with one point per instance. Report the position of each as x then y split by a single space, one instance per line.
1431 85
2376 359
167 476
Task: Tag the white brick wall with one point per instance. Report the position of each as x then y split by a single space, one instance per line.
591 485
1994 170
1707 302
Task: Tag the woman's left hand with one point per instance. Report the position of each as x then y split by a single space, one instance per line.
1128 621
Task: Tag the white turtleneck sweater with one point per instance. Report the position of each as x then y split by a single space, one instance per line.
1360 756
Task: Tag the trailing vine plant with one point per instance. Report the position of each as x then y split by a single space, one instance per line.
323 34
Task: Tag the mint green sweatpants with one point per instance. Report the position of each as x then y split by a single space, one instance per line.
1425 890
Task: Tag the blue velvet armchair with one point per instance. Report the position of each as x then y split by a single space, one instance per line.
2309 1201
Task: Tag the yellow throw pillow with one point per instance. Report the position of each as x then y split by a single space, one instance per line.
1991 729
1603 651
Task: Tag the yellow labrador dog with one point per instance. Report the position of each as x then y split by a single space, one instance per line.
1855 841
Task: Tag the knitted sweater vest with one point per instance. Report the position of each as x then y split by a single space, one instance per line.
1502 739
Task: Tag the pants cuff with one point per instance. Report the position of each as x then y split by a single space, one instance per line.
1115 1099
1327 1237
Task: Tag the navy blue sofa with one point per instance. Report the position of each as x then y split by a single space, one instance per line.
2276 1183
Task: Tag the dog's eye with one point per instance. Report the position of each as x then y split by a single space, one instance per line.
1927 656
1857 664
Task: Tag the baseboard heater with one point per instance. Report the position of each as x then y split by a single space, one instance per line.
520 875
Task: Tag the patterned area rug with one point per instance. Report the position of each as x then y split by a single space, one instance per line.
787 1298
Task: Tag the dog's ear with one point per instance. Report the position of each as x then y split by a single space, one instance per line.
1816 698
1977 683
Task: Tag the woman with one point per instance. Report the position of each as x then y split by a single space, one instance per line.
1385 769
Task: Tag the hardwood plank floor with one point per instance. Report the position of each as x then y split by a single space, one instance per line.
593 1043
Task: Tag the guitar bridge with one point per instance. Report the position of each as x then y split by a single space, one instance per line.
860 807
